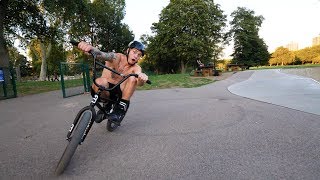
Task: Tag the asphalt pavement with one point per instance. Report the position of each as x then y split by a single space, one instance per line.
179 133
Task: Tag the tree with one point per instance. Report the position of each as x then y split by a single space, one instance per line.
17 17
315 54
249 48
4 57
26 20
187 30
316 50
48 22
101 25
18 61
282 56
304 55
107 29
57 55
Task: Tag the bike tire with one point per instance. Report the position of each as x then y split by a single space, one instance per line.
74 142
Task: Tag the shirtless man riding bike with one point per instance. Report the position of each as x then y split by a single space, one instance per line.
125 64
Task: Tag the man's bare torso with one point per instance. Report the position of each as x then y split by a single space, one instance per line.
121 65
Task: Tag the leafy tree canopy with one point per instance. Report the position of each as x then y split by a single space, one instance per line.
51 23
282 56
187 30
249 48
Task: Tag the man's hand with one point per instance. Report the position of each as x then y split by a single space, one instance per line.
142 78
84 46
87 47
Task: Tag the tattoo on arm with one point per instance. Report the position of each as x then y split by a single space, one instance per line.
109 56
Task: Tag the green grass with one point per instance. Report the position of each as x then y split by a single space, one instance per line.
158 82
175 80
35 87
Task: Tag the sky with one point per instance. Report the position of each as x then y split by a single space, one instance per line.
285 21
140 14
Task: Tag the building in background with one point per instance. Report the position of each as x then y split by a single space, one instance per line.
316 41
292 46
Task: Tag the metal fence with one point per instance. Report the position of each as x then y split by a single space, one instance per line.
75 79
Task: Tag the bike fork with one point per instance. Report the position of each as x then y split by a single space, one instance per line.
76 120
87 130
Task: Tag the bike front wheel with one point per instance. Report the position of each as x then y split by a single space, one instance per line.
75 140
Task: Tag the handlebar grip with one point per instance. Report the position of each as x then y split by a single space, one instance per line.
136 75
75 43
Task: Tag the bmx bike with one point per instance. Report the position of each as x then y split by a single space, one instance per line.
86 116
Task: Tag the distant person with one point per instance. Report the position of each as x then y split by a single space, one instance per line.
200 65
55 77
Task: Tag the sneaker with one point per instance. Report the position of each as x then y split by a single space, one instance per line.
99 117
100 114
119 112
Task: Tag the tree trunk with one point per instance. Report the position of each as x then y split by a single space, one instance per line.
44 54
183 67
4 57
18 73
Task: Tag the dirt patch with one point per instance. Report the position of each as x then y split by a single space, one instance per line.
221 76
313 73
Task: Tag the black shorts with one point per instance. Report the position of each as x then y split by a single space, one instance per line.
115 93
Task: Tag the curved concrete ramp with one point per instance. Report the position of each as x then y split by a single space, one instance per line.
282 89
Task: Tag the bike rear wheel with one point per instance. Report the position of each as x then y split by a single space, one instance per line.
75 140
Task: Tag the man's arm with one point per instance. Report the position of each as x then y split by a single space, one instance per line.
106 56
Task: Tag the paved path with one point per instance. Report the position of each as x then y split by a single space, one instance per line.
273 86
198 133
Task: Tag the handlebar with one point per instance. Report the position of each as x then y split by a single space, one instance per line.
75 43
94 55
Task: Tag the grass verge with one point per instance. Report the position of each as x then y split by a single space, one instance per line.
158 82
286 67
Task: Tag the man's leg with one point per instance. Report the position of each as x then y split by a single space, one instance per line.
104 95
101 81
128 87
